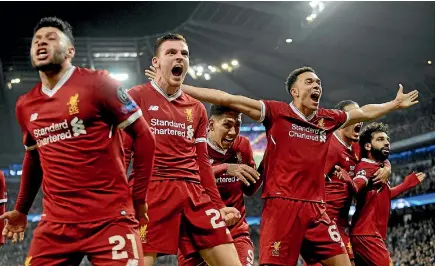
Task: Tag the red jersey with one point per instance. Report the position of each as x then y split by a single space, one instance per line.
229 187
338 193
178 123
74 128
297 150
373 203
3 200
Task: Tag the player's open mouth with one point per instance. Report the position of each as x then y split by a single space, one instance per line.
228 141
41 53
177 71
358 128
315 96
386 150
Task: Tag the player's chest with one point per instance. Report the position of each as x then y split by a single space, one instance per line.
68 108
349 161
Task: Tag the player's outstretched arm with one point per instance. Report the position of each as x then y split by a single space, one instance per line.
249 107
371 112
409 182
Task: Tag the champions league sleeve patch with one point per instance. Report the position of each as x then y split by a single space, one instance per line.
361 173
123 96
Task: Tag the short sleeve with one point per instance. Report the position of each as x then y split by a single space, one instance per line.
268 109
116 102
3 192
201 132
28 141
338 116
363 172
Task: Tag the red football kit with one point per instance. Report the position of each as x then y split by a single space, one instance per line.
232 193
3 201
87 205
294 218
370 221
183 199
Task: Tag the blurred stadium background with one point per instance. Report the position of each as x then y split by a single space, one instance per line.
361 50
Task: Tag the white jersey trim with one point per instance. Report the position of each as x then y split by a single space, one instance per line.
31 147
60 83
369 161
300 114
346 120
362 177
130 120
200 140
170 98
216 148
262 112
342 142
3 200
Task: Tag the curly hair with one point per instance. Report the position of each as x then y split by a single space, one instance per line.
367 134
294 75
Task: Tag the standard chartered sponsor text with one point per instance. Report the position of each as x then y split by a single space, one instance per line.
171 128
39 132
308 133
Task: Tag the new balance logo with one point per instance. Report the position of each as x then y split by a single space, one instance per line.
153 108
33 117
78 127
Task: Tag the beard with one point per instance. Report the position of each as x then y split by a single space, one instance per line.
379 155
54 66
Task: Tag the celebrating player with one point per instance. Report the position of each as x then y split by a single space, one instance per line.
293 217
235 174
3 200
370 221
71 121
342 157
183 199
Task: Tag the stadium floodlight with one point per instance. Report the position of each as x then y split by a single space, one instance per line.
191 73
200 69
225 66
309 18
119 76
429 62
199 73
288 40
212 69
313 4
234 62
313 16
207 76
321 6
15 81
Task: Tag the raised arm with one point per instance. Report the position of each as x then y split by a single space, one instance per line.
250 107
409 182
371 112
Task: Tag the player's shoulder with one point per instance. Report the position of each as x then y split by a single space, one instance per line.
23 100
191 101
367 165
141 89
242 140
328 113
274 103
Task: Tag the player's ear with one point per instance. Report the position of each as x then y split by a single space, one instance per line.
294 92
368 146
155 62
71 51
211 122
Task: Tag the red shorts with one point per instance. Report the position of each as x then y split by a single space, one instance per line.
290 227
110 242
346 240
370 250
243 245
175 205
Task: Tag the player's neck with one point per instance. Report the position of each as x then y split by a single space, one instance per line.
346 140
303 109
49 79
372 158
165 87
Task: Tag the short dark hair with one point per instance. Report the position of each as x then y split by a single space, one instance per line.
58 23
168 37
217 110
342 104
294 75
367 133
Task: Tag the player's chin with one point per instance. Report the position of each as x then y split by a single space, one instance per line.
176 81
